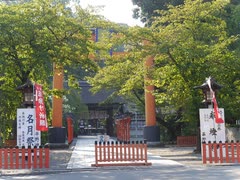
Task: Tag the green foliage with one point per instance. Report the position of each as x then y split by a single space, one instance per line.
44 138
189 42
73 107
34 35
146 9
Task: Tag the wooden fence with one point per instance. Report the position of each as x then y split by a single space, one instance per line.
123 129
228 152
186 141
121 154
70 130
24 158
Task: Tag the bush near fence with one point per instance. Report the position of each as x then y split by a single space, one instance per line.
24 158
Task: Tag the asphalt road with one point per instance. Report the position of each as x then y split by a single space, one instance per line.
188 165
142 173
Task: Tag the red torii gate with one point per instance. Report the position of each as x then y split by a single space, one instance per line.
123 129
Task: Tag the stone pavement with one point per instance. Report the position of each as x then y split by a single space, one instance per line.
183 155
81 155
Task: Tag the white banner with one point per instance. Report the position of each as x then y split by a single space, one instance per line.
210 130
27 135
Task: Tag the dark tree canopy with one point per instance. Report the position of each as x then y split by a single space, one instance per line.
146 8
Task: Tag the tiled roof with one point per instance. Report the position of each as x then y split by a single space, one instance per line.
100 97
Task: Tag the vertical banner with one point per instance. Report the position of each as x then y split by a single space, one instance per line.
210 129
27 135
41 118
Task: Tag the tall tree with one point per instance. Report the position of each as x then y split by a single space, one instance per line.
35 35
190 43
146 9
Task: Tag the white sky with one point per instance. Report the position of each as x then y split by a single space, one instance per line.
119 11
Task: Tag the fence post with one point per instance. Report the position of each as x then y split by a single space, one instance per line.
220 152
125 150
133 150
238 151
11 157
117 147
141 150
210 151
113 147
17 157
204 152
96 152
5 158
99 148
108 151
35 157
29 155
227 153
215 149
145 150
137 145
40 156
1 151
232 151
104 151
23 150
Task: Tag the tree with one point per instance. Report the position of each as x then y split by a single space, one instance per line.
190 43
35 35
147 8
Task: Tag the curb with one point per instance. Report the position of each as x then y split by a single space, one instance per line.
25 172
31 172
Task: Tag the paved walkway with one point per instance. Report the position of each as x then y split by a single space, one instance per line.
83 155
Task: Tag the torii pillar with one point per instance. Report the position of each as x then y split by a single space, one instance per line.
57 133
151 131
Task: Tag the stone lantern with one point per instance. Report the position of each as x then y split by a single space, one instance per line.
28 94
206 91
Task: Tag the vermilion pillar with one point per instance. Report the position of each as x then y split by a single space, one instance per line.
151 130
57 101
150 109
57 133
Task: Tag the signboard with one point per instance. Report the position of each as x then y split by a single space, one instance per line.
210 130
41 118
27 135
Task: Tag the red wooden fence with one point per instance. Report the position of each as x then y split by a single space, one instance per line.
228 152
70 129
121 154
15 158
186 140
123 129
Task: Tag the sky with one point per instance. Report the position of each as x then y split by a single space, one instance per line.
118 11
